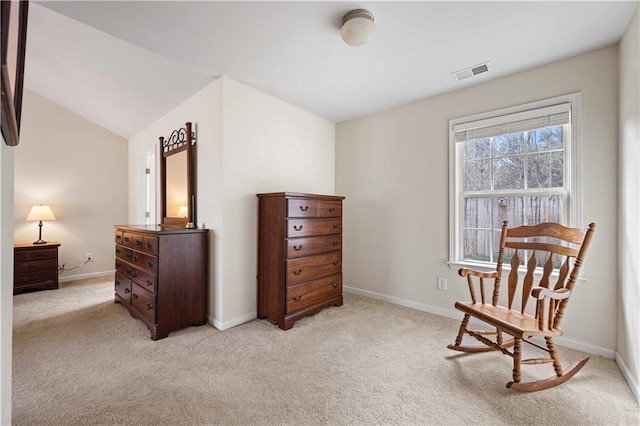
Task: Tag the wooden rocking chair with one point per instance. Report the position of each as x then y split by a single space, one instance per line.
554 246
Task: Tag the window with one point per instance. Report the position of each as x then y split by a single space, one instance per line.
519 164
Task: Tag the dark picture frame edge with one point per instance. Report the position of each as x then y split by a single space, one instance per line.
12 98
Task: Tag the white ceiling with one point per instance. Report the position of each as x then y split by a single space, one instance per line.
125 64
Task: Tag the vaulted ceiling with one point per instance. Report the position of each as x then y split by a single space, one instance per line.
125 64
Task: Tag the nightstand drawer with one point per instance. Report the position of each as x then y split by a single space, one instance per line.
27 255
36 265
36 277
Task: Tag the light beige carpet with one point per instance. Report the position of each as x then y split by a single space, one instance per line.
81 359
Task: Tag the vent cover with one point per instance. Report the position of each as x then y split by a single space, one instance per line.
471 71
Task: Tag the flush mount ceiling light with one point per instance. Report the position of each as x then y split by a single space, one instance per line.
357 27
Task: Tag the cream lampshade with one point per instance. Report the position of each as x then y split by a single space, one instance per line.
182 211
40 213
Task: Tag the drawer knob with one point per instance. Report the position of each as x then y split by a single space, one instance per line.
297 298
149 263
335 262
297 248
149 282
128 271
148 244
336 225
135 274
118 264
126 239
149 306
297 272
135 258
336 242
332 208
117 283
304 208
134 296
127 291
138 242
335 285
297 227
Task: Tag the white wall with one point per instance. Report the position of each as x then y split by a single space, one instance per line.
269 146
393 168
247 142
80 170
6 278
628 349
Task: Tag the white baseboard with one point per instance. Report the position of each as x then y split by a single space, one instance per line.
232 323
403 302
451 313
631 381
85 276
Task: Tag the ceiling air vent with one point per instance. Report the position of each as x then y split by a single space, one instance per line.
471 71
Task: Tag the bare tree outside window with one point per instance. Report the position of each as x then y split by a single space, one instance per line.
517 177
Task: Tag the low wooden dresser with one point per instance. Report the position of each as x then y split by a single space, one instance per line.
161 276
299 255
35 267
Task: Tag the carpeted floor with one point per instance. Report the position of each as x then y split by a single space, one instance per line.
80 359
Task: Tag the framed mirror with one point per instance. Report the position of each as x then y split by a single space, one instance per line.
177 178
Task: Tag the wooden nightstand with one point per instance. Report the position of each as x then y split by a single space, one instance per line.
35 267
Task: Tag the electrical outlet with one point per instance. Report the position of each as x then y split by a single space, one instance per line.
89 257
442 283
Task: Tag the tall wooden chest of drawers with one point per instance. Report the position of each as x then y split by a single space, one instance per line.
161 276
299 255
35 267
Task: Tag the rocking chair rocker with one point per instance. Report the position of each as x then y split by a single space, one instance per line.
553 246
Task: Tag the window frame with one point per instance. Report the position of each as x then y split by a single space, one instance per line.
572 180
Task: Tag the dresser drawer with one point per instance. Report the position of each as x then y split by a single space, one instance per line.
122 286
123 253
27 255
144 302
140 276
312 267
302 208
118 237
303 295
36 265
28 278
150 244
144 262
308 227
307 246
133 240
329 209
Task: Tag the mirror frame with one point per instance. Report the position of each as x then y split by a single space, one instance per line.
182 139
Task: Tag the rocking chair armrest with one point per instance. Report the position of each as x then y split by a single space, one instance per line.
541 292
463 272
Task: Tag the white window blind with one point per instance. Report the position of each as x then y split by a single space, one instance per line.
555 115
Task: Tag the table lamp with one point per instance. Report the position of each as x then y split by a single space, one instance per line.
40 213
